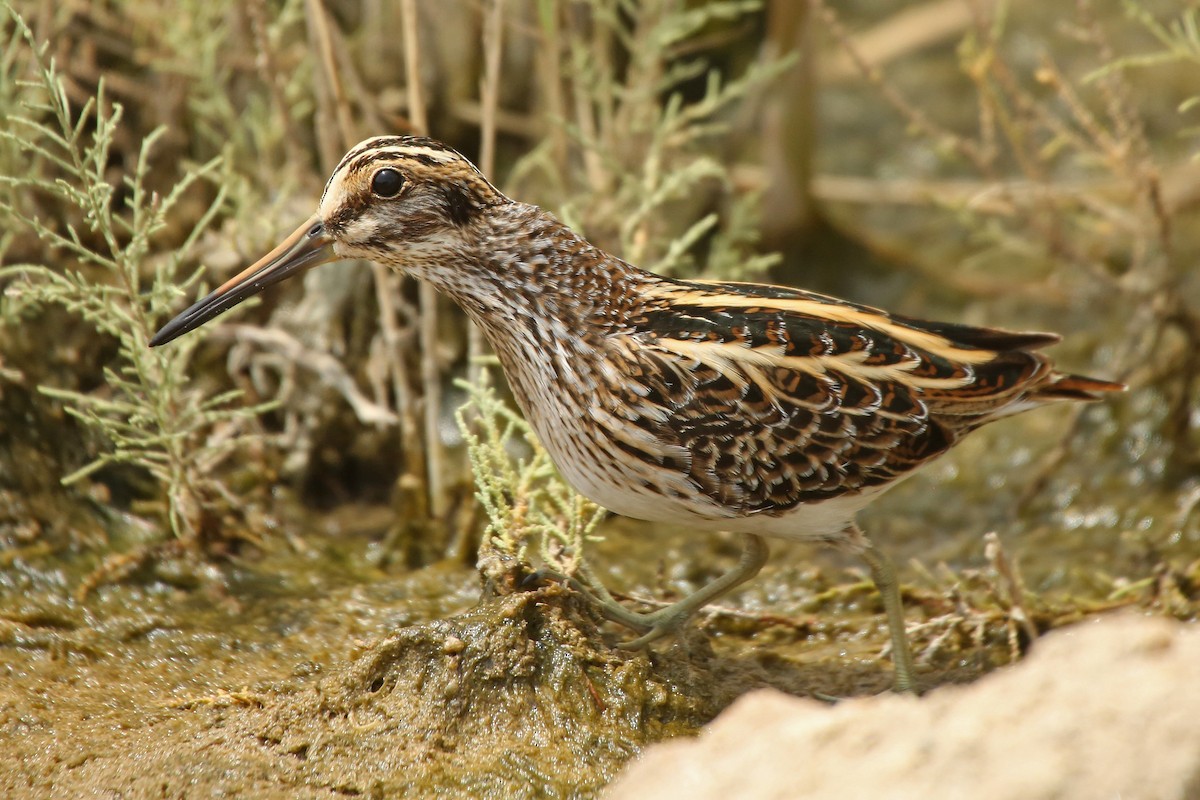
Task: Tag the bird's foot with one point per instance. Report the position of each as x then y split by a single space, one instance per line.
654 625
651 625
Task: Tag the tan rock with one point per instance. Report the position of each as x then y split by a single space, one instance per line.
1109 708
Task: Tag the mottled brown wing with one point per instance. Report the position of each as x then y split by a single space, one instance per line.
777 404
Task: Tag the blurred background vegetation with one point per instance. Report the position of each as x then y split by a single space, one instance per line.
1027 165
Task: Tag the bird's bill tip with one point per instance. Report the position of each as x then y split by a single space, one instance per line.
308 246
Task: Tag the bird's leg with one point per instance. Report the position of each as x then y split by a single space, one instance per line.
656 624
884 576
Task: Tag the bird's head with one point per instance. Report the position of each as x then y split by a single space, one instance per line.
401 201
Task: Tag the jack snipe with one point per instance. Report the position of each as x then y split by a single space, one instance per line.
762 410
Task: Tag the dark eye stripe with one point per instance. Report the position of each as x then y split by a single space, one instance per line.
370 158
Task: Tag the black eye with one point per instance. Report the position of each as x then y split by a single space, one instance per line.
387 183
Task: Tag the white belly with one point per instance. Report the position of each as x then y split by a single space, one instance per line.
605 476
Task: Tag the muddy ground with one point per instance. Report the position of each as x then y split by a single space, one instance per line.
301 670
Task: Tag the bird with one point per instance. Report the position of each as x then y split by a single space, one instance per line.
760 410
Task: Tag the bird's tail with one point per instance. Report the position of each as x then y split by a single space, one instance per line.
1077 387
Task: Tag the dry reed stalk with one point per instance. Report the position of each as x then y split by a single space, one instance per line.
549 60
329 89
431 373
489 102
585 116
266 63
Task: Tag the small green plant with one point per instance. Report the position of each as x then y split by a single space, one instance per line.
525 499
1179 43
654 186
98 237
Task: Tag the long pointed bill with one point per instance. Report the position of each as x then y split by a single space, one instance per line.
307 247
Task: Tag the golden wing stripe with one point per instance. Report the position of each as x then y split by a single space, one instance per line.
935 344
726 356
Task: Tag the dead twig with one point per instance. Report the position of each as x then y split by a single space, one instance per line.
328 369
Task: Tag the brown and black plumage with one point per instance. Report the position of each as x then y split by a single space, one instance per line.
762 410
